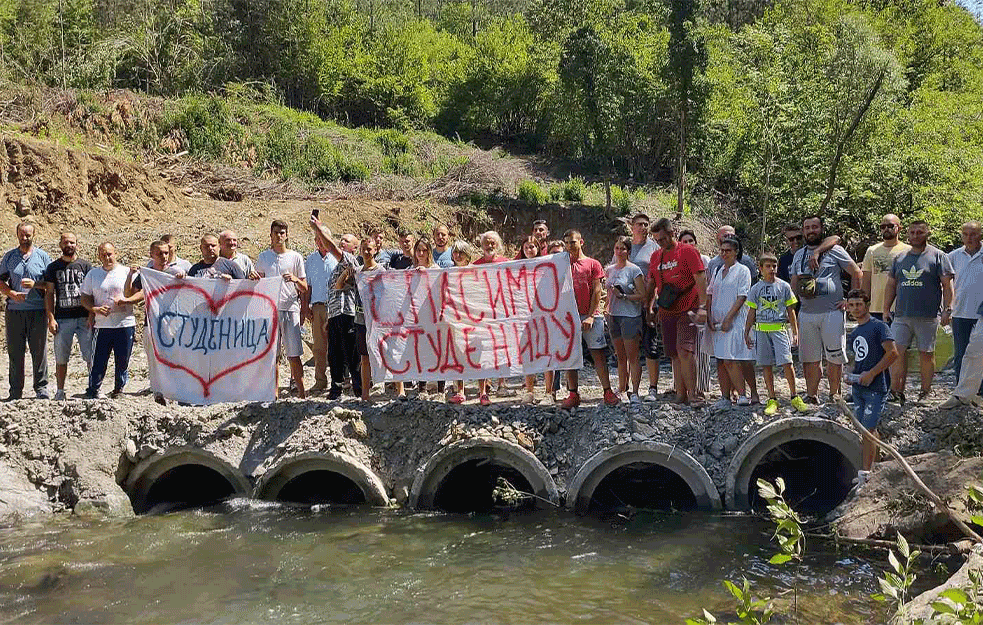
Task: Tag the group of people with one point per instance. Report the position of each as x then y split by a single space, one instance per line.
657 296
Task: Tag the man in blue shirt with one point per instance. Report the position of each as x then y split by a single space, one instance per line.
441 247
22 281
874 351
319 265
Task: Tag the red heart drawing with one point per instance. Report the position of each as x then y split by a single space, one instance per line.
215 307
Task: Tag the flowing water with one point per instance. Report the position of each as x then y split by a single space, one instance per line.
249 562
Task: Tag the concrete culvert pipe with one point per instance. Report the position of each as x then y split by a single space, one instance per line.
642 475
816 457
462 476
322 478
182 478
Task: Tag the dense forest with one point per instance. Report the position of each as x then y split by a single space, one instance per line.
771 108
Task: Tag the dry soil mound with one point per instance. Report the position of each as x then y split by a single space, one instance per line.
57 185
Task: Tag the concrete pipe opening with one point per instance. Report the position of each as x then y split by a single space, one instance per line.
817 459
462 477
648 475
180 479
322 478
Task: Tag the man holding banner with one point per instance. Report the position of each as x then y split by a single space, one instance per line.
289 265
115 325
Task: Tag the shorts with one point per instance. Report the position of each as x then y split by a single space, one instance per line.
923 331
595 339
67 329
772 348
361 341
678 332
290 341
652 340
626 328
868 406
822 334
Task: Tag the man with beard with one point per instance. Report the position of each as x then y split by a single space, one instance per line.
822 324
878 262
67 317
402 258
920 281
441 250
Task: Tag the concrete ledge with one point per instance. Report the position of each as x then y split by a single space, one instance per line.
430 475
749 455
600 465
279 475
143 476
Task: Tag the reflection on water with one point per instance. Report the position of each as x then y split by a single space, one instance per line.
250 562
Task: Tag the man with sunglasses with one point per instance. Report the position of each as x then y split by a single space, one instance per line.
878 262
793 238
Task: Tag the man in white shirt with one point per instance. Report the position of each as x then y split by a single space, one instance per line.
102 292
967 262
173 260
319 266
280 261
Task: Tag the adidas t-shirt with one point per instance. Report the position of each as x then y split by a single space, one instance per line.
919 280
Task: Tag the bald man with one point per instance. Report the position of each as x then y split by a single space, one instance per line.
967 262
103 296
212 265
228 247
878 262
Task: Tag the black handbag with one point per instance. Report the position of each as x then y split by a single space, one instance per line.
668 293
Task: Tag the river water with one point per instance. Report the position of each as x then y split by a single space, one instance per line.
251 562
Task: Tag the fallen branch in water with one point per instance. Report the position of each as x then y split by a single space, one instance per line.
958 548
511 496
965 529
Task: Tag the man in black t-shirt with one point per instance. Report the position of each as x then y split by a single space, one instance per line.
402 259
67 317
212 265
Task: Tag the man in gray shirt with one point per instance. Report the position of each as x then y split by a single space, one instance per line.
642 248
822 331
920 282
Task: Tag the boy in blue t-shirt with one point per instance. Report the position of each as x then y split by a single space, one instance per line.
874 350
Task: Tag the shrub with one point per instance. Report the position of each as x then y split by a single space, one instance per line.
311 157
574 190
556 192
531 193
402 165
623 200
207 122
393 143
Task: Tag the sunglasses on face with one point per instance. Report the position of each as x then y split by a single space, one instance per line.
797 237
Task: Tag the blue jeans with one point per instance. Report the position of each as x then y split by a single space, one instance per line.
868 405
961 329
119 342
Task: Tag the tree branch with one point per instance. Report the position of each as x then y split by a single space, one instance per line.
965 529
841 144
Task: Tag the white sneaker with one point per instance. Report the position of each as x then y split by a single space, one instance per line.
721 404
528 398
549 400
633 398
60 395
653 395
743 401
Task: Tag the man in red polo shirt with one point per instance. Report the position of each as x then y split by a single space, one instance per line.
587 274
679 277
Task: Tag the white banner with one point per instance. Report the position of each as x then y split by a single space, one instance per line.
211 341
481 321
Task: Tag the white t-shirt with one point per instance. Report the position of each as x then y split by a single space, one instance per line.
968 283
104 287
270 264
